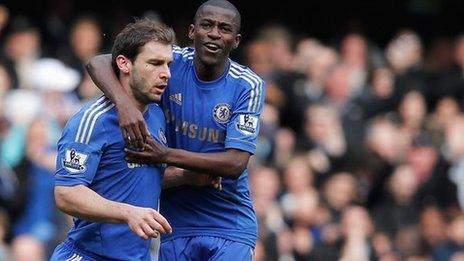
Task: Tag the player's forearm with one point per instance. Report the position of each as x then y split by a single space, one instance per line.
230 163
102 74
82 202
173 177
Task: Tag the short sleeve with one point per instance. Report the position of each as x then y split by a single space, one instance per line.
243 127
78 159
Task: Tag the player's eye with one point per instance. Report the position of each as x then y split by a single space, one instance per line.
205 25
226 28
156 63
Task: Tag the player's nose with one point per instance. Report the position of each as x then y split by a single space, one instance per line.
165 73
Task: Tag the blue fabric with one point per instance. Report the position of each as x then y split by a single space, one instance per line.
67 251
212 117
91 153
203 248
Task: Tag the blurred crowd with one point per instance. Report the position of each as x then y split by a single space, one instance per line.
360 154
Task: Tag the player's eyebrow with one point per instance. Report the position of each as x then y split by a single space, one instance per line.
206 19
157 59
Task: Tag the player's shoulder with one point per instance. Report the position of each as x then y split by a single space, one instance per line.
244 75
183 54
89 120
155 109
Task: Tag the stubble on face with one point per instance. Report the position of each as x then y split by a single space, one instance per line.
141 89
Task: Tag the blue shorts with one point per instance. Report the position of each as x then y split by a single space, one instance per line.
66 251
204 248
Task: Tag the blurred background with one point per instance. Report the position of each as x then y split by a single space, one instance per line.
361 150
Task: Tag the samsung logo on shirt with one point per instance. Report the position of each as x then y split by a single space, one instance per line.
194 131
134 165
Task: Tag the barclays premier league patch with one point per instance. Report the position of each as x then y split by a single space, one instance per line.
247 124
74 161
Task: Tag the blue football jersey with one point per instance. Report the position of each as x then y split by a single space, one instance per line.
91 153
211 117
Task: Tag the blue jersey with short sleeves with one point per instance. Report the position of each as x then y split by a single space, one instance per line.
210 117
91 153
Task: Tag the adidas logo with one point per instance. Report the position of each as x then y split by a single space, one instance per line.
176 97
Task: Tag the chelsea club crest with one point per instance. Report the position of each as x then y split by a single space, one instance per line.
221 112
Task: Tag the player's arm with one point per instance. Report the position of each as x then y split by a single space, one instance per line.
131 120
240 143
174 177
78 159
230 163
82 202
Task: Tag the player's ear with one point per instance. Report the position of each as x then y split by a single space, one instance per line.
124 64
191 31
238 37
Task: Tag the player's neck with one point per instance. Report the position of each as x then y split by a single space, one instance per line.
209 73
140 105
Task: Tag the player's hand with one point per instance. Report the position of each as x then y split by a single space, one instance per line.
200 179
133 126
147 222
152 153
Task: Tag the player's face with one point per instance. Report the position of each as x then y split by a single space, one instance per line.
150 72
214 34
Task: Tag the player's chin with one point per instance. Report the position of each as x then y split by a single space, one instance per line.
155 97
211 60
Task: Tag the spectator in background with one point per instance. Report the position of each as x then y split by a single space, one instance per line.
339 94
37 228
376 98
20 107
412 112
357 230
436 159
404 54
4 17
399 208
422 157
446 110
354 242
315 63
324 138
337 88
339 191
284 148
264 187
433 227
85 41
270 124
21 50
279 43
452 81
453 249
454 145
257 58
354 55
300 201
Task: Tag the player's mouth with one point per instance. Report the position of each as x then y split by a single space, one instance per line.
212 47
158 89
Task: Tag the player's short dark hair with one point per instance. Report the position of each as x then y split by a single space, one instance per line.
135 35
223 4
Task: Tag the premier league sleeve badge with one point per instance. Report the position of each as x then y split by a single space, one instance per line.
74 161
